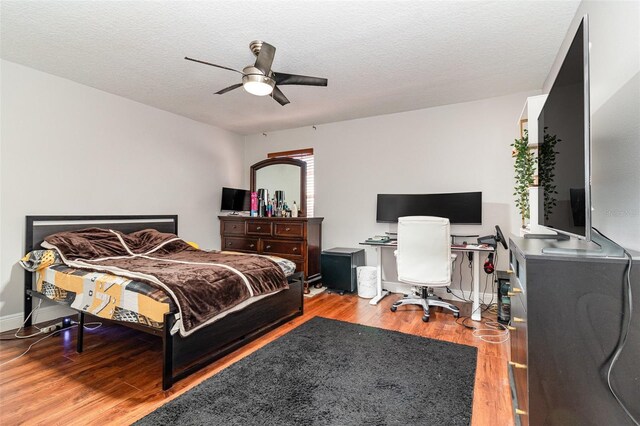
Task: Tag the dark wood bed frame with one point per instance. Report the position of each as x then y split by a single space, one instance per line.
182 356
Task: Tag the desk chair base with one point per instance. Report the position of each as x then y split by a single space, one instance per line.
426 302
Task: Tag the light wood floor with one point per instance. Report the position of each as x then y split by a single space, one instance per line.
117 378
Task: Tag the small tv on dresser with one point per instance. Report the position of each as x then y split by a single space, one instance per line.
235 200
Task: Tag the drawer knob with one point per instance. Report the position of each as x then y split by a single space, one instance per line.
287 229
517 365
521 412
509 271
258 228
295 249
235 226
229 244
512 328
518 319
251 245
268 247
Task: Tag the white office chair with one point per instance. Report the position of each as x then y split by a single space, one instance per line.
424 260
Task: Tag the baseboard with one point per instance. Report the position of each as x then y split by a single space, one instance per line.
46 313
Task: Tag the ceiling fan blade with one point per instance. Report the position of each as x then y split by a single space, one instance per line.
213 65
265 58
301 80
279 96
228 89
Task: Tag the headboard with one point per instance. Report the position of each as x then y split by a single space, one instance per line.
39 227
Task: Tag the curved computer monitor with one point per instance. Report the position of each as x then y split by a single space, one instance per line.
564 151
462 208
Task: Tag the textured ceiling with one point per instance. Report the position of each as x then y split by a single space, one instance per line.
380 57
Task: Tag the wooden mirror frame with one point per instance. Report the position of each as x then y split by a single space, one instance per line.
290 161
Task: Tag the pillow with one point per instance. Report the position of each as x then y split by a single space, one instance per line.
95 243
40 259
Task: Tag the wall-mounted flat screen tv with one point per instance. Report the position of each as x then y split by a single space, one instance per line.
237 200
463 208
564 153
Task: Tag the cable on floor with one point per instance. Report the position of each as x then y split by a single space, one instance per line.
29 348
494 333
96 325
34 313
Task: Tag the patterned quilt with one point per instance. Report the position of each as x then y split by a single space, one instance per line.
102 295
105 295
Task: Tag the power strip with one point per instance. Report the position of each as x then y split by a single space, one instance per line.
52 328
61 325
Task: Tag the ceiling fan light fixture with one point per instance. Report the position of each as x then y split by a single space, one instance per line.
258 84
260 79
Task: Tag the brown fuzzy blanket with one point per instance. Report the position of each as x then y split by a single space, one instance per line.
203 284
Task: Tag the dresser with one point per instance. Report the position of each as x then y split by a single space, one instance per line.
298 239
565 323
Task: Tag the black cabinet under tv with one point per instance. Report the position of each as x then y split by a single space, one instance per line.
566 316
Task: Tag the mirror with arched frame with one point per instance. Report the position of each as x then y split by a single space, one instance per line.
282 174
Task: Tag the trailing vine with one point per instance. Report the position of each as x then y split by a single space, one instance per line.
524 171
546 171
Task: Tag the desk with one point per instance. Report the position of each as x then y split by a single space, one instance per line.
476 314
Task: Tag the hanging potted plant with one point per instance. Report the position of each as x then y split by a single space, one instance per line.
546 171
524 170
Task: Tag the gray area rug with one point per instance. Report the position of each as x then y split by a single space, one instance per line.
328 372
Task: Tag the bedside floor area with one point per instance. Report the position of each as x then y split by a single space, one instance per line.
116 380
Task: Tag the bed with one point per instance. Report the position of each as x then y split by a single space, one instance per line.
182 354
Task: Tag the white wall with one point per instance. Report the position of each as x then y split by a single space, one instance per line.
615 115
453 148
71 149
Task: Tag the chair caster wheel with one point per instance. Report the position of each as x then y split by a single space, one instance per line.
394 308
425 318
456 314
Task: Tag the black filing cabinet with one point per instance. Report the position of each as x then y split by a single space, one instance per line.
339 268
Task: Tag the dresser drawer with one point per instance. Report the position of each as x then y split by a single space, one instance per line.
289 248
233 228
519 357
295 230
522 399
516 292
518 325
241 244
258 228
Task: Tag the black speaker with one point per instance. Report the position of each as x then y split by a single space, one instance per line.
339 268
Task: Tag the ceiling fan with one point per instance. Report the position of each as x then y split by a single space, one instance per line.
260 80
